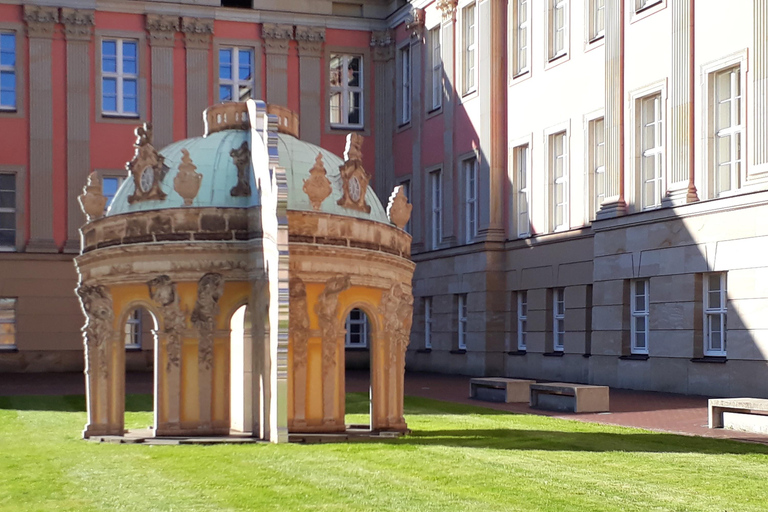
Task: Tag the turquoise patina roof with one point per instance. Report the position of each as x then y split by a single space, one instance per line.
211 156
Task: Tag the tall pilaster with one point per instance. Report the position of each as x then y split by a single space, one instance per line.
383 46
277 38
41 22
418 190
78 30
760 77
162 38
310 41
197 40
680 182
448 8
614 204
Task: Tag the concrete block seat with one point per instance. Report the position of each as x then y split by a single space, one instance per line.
500 389
563 396
745 414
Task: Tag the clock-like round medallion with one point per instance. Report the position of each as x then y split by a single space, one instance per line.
147 179
354 188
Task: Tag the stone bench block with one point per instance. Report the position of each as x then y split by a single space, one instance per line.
499 389
563 396
730 413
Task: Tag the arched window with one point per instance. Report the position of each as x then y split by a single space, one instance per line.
357 330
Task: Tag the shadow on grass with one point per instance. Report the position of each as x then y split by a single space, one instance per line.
68 403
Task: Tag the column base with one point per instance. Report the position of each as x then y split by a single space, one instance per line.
72 246
493 234
41 245
680 196
102 430
612 209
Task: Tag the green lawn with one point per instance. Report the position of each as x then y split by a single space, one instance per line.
458 458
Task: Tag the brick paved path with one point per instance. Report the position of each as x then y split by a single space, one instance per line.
654 411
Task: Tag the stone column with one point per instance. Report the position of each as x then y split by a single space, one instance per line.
41 22
197 40
760 78
162 38
450 172
680 181
78 30
418 191
383 46
614 204
277 38
310 41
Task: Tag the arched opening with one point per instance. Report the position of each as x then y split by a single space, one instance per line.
241 372
357 365
138 337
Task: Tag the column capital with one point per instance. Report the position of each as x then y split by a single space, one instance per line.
277 37
415 25
78 23
449 9
383 44
41 21
310 40
162 29
197 32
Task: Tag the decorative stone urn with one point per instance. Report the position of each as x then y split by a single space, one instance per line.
187 181
398 209
92 201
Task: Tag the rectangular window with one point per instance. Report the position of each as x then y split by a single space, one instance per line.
558 159
470 198
357 329
462 321
558 319
643 4
436 69
437 207
522 319
597 163
558 28
7 211
109 186
132 330
427 322
715 312
728 129
7 71
640 314
521 35
596 19
523 178
120 77
346 83
236 67
469 45
7 323
405 84
651 151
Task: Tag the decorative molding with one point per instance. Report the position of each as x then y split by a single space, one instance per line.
448 7
41 21
197 32
96 303
383 44
78 23
162 290
396 309
398 209
147 168
327 311
317 186
187 181
210 288
241 157
760 80
299 322
310 41
416 24
354 177
162 29
92 200
277 37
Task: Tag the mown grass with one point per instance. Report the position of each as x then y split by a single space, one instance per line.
459 458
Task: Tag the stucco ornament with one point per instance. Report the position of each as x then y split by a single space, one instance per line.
96 303
187 180
398 209
298 323
396 309
241 157
317 186
210 288
92 200
163 292
327 310
147 168
354 178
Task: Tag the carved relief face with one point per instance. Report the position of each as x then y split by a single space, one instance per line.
354 188
147 179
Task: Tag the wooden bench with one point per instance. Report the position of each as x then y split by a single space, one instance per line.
499 389
739 414
562 396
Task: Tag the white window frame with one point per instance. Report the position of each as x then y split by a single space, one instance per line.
735 131
640 315
471 213
436 204
469 47
132 330
558 320
427 322
715 316
235 82
120 77
596 21
658 151
362 321
553 156
462 321
520 177
520 33
651 149
406 81
522 320
435 74
555 51
596 163
14 211
345 89
9 324
12 69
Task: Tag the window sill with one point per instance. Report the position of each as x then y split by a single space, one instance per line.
710 359
556 58
556 353
9 348
434 112
403 126
424 351
111 115
517 353
7 110
647 7
341 127
458 351
635 357
355 349
133 349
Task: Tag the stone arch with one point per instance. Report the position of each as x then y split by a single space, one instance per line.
132 305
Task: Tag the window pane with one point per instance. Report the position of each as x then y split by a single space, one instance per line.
129 50
225 93
336 65
7 182
244 56
354 108
109 86
7 57
7 220
640 339
8 81
129 65
7 199
7 236
109 49
129 88
129 106
353 71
